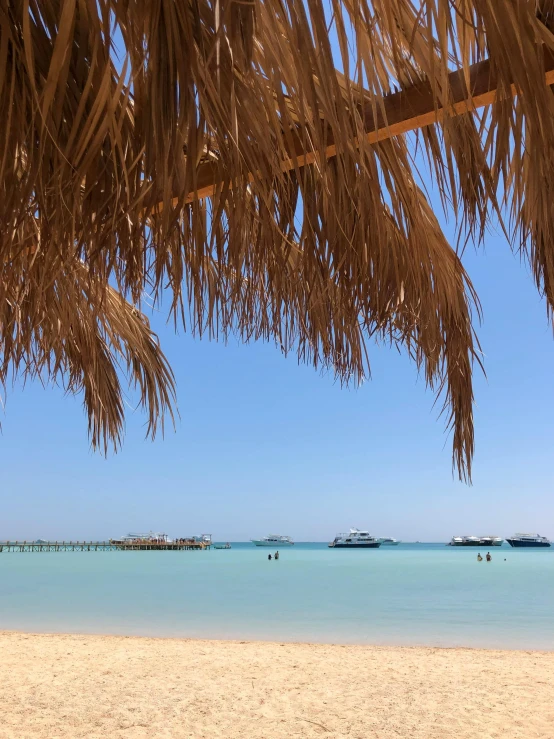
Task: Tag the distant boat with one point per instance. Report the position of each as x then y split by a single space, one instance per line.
492 541
385 541
355 539
476 541
528 540
465 541
222 546
273 540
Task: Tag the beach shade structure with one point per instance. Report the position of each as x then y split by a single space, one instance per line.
253 162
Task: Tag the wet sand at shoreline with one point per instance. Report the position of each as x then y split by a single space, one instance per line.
77 686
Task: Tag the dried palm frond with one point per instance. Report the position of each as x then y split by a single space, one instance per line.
77 332
250 156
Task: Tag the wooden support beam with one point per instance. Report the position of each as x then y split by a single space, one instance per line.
403 111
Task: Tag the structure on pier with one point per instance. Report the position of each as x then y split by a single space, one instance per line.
113 545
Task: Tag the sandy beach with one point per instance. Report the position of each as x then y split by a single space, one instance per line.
69 686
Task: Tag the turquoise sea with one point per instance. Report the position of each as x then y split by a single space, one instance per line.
425 594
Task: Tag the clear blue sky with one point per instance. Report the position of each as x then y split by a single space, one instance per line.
265 445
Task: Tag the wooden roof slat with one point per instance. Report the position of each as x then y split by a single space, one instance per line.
403 111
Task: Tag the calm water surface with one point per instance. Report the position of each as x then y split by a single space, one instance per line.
411 594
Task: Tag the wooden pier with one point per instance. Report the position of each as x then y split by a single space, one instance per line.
104 546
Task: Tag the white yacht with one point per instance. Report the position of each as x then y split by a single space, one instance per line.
273 540
355 539
465 541
491 541
387 542
476 541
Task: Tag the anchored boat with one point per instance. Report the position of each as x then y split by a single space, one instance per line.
387 542
528 540
355 539
492 541
476 541
273 540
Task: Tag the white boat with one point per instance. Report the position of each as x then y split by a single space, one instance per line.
387 542
355 539
465 541
273 540
491 541
476 541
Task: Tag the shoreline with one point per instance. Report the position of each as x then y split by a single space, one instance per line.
78 686
272 642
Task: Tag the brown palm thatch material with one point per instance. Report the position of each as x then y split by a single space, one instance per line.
80 333
251 158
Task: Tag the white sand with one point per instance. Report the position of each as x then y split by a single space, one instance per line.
68 687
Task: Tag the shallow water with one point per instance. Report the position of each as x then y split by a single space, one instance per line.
411 594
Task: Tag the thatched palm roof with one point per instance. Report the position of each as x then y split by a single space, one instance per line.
251 158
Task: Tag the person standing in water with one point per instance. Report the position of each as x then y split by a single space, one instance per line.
479 558
277 555
269 556
489 558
